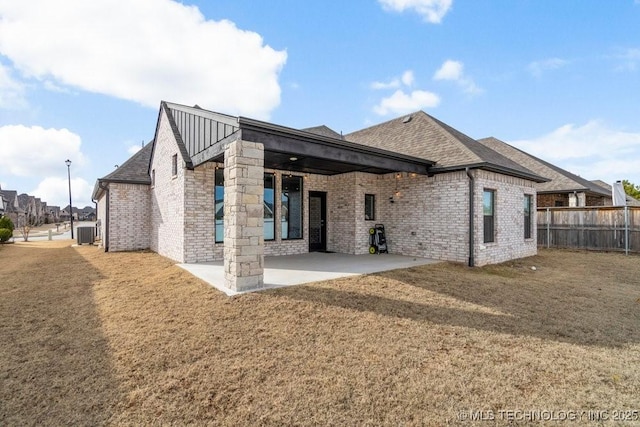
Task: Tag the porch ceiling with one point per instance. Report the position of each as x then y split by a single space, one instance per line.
299 151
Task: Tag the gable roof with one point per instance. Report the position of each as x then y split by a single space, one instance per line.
324 131
201 136
421 135
631 201
561 181
134 171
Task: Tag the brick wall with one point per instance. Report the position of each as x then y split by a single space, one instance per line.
168 196
199 220
129 220
509 219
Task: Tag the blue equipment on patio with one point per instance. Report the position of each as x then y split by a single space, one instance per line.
377 240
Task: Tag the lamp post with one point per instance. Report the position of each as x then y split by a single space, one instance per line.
68 163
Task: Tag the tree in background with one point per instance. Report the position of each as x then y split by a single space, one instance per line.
631 189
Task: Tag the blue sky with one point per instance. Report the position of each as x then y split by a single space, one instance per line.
84 80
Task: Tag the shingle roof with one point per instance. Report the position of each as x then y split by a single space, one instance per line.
560 180
630 200
135 170
324 131
421 135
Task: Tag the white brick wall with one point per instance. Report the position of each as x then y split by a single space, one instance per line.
129 220
167 196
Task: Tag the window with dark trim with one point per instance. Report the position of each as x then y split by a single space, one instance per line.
291 207
488 212
219 205
528 212
269 207
369 207
174 165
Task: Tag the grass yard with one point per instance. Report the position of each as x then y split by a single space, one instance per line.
91 338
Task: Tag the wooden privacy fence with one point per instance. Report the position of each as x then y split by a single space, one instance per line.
605 228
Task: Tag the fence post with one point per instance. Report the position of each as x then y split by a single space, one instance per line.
626 230
548 228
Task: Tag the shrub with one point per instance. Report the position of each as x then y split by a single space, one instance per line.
5 222
5 234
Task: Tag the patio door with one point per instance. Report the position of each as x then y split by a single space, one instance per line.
317 221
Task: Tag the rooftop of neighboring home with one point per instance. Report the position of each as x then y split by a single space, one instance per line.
561 181
630 200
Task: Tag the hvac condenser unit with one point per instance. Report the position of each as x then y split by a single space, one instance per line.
85 235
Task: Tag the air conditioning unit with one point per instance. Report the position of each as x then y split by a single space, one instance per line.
86 235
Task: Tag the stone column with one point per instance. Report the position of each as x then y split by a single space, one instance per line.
243 215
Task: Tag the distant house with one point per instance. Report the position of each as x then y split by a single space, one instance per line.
563 188
53 214
630 200
12 206
217 187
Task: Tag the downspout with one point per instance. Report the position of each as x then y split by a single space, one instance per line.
471 215
106 217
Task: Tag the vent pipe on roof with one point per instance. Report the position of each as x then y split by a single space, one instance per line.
471 215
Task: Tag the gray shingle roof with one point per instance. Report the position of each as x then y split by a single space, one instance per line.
135 170
421 135
560 180
630 200
324 131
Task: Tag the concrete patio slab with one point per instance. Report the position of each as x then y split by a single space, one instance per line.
292 270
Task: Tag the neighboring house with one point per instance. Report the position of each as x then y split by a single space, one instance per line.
12 207
630 200
87 213
28 206
3 203
217 187
54 214
563 188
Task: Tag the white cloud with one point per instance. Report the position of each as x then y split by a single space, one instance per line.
35 151
406 79
450 70
454 71
432 11
536 68
134 149
12 92
401 102
629 59
55 191
593 151
157 50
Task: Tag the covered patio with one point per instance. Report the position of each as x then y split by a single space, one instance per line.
289 270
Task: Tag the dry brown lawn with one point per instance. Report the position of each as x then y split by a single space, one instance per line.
93 338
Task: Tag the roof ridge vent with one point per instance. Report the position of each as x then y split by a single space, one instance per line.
407 119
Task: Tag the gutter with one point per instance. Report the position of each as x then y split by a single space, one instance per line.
106 215
471 215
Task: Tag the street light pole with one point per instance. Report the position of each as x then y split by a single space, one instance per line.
68 163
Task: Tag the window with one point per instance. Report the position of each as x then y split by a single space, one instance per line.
269 207
291 207
219 205
369 207
528 208
174 165
488 211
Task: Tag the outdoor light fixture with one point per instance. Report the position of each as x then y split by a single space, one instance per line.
68 163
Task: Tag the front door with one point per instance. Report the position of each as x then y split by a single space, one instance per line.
317 221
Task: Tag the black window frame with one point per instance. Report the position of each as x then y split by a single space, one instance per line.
174 165
285 213
528 216
369 202
272 177
489 216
